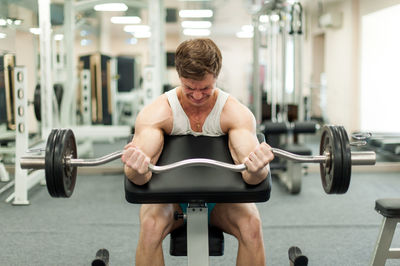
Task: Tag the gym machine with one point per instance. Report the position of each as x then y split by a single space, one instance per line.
281 112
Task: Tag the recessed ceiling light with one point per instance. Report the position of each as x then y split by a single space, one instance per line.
2 35
59 37
111 7
132 41
137 28
196 24
247 28
244 34
142 34
196 32
85 42
126 20
198 13
3 22
264 18
35 31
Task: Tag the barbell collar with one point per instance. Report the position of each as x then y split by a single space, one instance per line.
363 158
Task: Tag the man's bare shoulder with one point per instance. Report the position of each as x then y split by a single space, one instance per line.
236 115
158 114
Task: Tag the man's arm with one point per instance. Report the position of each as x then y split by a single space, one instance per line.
147 142
240 124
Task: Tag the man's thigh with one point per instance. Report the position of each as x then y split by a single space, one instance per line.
227 216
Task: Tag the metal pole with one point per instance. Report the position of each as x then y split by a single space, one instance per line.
256 106
46 85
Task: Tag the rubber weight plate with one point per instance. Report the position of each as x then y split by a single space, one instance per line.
65 175
331 169
338 148
36 103
346 161
49 163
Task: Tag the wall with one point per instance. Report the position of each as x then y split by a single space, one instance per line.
342 56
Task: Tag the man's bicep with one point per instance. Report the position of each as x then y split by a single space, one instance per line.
150 140
241 143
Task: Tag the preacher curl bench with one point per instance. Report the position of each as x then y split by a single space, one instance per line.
197 186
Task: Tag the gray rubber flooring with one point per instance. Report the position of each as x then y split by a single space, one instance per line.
330 229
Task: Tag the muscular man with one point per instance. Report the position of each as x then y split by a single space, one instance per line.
197 107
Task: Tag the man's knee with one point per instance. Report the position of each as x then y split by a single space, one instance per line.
152 229
250 229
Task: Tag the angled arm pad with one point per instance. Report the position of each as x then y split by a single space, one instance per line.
197 183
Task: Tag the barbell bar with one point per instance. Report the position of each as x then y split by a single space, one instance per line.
60 161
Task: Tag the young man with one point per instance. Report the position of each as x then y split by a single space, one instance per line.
197 107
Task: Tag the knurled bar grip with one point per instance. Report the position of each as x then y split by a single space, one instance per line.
357 158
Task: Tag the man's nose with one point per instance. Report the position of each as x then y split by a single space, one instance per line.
197 94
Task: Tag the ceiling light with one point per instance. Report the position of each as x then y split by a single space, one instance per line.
85 42
274 17
137 28
264 18
126 20
247 28
132 41
59 37
2 35
3 22
196 32
35 31
111 7
244 34
142 34
196 24
17 22
198 13
84 33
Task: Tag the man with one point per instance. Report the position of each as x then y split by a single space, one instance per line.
197 107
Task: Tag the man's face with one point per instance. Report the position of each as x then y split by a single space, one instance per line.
198 92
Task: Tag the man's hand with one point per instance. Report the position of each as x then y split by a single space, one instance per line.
258 159
136 164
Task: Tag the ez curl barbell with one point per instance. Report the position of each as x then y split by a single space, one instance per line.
60 161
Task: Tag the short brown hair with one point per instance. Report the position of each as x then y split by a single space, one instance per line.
198 57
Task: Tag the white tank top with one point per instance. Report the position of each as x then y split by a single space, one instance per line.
181 124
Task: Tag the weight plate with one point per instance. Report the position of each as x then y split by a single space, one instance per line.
49 163
339 168
65 176
36 103
331 169
346 155
57 140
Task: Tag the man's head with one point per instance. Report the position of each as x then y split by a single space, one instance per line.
196 58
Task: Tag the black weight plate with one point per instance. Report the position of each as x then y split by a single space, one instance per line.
65 176
330 173
338 168
36 103
346 155
57 141
70 150
49 163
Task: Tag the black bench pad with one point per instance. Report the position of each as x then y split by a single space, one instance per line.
389 207
197 183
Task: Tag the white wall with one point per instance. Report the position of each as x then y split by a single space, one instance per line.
342 56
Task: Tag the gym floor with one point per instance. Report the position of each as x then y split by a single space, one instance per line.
330 229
